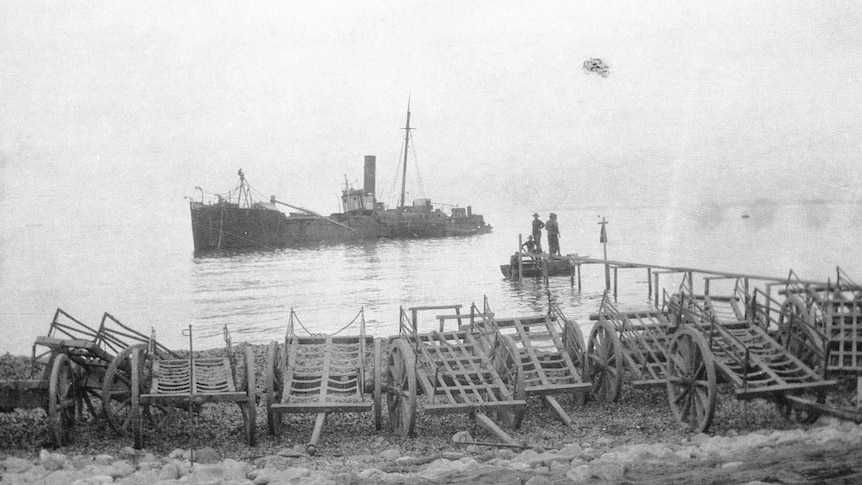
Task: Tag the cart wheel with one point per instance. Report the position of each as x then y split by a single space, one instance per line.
157 414
117 391
135 382
90 406
573 340
603 364
513 417
401 389
272 378
62 397
378 383
796 334
139 413
691 380
801 415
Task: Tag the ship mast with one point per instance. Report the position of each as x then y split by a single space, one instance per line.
404 168
244 195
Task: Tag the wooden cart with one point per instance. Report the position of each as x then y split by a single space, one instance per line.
631 342
55 385
116 386
159 384
322 374
453 371
89 375
832 314
709 345
69 365
549 350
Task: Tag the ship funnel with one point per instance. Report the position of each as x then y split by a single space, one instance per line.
370 173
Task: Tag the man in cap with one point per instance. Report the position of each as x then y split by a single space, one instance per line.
553 234
538 225
530 245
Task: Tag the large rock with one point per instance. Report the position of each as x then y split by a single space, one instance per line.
141 477
288 475
63 477
52 461
104 460
573 451
390 454
215 472
173 470
277 462
611 472
539 480
14 464
206 455
440 469
580 473
120 469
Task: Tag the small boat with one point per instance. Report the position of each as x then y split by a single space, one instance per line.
533 264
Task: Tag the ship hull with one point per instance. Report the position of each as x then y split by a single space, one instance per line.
225 227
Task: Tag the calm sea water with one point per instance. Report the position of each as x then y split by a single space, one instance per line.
148 276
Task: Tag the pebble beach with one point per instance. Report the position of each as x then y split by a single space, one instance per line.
634 440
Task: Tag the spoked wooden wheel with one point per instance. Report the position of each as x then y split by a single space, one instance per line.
515 417
62 397
249 407
117 391
140 413
603 364
573 341
401 389
273 387
90 406
691 380
378 383
797 335
506 351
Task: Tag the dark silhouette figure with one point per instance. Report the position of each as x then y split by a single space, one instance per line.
553 234
530 245
538 225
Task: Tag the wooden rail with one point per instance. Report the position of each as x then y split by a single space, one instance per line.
655 270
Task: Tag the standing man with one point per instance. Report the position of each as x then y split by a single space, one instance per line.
553 235
538 225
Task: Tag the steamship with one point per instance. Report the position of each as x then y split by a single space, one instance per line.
237 221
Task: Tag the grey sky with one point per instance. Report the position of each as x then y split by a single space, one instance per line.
142 101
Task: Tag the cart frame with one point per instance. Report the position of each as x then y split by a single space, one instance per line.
549 350
708 345
458 370
634 342
322 374
158 384
70 361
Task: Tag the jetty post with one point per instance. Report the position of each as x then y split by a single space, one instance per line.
518 252
603 238
649 281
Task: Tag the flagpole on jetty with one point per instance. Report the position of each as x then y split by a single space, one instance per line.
603 238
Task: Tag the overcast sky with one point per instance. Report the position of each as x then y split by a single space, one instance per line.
124 102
